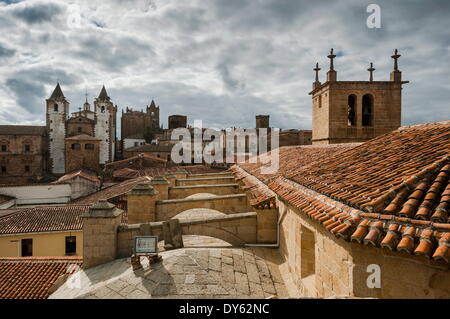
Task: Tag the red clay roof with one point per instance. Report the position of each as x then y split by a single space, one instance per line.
392 191
31 278
90 176
43 219
111 192
291 158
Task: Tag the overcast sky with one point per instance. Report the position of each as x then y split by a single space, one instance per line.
219 61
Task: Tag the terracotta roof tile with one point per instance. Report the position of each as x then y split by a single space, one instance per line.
31 278
391 192
43 219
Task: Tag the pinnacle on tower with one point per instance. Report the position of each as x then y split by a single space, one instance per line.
103 95
396 75
57 93
331 74
371 69
316 82
152 104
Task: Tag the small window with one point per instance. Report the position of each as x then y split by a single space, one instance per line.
4 148
27 247
3 169
55 107
158 155
71 245
27 168
103 109
89 146
76 146
80 130
27 148
136 143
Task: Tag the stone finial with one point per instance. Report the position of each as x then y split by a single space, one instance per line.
103 209
396 56
143 189
331 57
371 69
316 82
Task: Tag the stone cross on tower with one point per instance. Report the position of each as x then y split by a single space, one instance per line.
396 75
395 57
331 74
316 82
371 69
331 57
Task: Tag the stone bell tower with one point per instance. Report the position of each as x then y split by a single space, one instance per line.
105 126
56 116
355 111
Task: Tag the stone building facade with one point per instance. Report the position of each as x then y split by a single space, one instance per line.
23 152
100 123
82 152
177 121
134 123
355 111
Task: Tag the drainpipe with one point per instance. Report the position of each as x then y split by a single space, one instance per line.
277 244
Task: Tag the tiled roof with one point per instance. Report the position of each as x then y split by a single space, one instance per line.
43 219
291 158
392 191
138 161
111 192
31 278
90 176
128 173
22 130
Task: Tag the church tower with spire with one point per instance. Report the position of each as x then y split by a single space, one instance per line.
105 126
56 116
355 111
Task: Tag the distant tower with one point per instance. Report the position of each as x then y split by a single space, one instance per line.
355 111
105 126
57 113
262 121
153 114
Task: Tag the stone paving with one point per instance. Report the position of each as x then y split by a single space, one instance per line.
184 273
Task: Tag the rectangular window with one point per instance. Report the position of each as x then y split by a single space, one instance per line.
4 169
27 247
27 168
4 148
27 148
71 245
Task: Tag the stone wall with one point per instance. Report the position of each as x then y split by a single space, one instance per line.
205 181
267 225
237 230
56 125
324 266
22 166
228 204
179 192
82 157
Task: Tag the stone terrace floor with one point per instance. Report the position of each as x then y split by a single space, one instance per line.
220 272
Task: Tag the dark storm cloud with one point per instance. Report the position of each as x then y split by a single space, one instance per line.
236 58
37 12
6 52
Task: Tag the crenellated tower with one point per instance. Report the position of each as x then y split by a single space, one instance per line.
56 116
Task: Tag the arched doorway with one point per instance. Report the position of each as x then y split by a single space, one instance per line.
351 110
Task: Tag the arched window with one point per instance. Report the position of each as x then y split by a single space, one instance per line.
351 110
55 107
89 146
367 110
76 146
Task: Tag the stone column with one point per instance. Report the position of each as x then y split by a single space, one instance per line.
100 226
160 184
141 204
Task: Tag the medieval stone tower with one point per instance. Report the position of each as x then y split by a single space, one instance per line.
355 111
105 126
262 121
57 114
